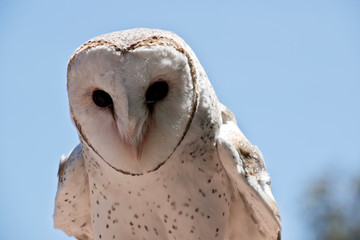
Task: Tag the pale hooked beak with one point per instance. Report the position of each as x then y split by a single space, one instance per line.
139 141
139 149
133 132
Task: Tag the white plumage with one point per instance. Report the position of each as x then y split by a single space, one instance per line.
159 156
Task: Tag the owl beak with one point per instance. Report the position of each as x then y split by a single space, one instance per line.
133 135
141 139
139 149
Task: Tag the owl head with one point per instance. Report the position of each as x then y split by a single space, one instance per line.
133 96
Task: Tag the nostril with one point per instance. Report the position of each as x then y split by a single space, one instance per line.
102 99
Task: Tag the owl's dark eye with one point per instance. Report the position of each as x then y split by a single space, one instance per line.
102 99
156 92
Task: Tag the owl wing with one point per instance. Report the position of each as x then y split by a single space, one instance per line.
72 204
254 214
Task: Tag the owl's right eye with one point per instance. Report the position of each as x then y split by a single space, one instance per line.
102 99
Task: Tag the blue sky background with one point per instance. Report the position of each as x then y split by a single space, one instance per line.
289 70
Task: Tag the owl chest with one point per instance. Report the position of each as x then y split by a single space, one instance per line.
186 201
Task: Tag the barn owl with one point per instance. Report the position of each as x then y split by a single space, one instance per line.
159 156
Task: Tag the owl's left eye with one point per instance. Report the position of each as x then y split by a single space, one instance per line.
156 92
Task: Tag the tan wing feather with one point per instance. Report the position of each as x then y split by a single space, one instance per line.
246 168
72 204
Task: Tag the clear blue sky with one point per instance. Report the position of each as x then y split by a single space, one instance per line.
289 70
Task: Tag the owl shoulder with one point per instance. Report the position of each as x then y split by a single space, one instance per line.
72 203
245 166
